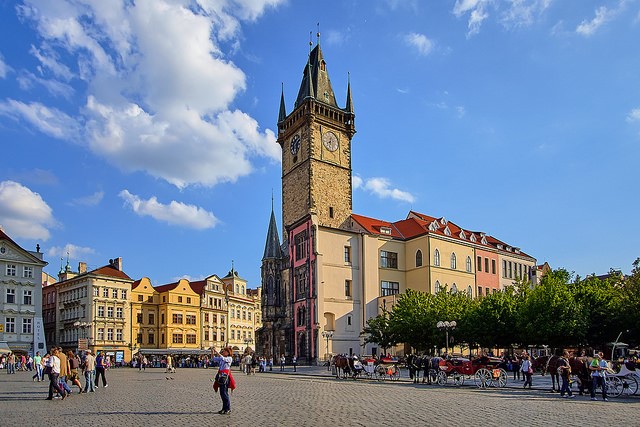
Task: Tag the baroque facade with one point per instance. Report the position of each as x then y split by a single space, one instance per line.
335 269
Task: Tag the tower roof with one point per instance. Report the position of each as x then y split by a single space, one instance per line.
315 80
272 246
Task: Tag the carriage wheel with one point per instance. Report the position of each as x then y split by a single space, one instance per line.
482 378
395 375
380 372
614 386
501 379
433 376
630 385
441 377
458 379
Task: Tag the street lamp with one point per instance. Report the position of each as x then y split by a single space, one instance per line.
446 325
327 335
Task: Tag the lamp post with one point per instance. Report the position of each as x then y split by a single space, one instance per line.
327 335
446 325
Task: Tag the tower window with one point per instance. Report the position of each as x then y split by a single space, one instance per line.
330 211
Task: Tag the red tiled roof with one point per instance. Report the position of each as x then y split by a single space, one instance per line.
136 284
374 225
198 286
111 271
167 287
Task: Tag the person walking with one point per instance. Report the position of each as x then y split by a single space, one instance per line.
598 368
282 361
224 380
64 370
527 370
54 364
294 362
270 363
11 363
100 370
74 364
565 374
89 367
37 361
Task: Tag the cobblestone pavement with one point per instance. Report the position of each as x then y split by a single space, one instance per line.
307 398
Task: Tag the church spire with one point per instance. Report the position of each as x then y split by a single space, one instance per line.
349 106
272 246
283 110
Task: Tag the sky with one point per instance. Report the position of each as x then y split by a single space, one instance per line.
146 129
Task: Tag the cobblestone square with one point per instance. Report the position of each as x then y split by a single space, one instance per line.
307 398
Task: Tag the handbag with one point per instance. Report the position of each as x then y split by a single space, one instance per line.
47 370
222 378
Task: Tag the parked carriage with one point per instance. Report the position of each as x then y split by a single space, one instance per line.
387 369
484 370
623 379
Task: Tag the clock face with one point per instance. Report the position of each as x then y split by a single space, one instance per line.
330 141
295 144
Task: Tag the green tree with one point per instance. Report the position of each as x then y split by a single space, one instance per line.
410 318
493 321
378 331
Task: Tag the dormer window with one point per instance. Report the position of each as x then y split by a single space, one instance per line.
443 221
462 235
433 226
473 238
483 240
385 230
447 232
500 247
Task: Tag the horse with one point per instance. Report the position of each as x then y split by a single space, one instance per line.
548 364
342 365
580 368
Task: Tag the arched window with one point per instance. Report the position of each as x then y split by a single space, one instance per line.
469 291
453 260
436 288
469 264
419 258
436 258
454 289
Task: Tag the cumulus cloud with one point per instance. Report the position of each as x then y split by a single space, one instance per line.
91 200
381 187
634 115
175 213
23 213
70 250
420 42
477 10
50 121
159 84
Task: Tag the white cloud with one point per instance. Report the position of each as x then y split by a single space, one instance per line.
50 121
477 10
587 28
522 13
91 200
23 213
420 42
634 115
381 188
28 80
159 87
4 68
175 213
73 251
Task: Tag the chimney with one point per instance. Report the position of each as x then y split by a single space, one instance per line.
82 267
117 263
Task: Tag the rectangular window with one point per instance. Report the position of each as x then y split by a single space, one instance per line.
479 264
109 311
139 338
206 335
347 288
486 265
162 339
110 334
249 315
10 325
100 334
487 289
152 318
330 211
244 315
11 296
188 300
390 288
206 317
479 291
152 338
493 266
119 313
300 241
123 294
27 272
233 334
118 334
140 298
114 293
177 338
510 270
190 319
179 299
520 271
105 292
11 269
191 338
96 292
347 254
27 299
100 311
504 268
139 317
162 318
150 298
388 259
177 318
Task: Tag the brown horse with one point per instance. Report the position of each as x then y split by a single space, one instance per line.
580 368
548 364
342 365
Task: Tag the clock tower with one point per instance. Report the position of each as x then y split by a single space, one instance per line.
316 150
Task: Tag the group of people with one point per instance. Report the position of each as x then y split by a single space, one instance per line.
13 362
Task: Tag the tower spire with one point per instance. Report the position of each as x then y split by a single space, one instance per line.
349 106
318 34
283 110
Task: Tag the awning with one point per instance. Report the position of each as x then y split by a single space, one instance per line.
4 347
172 351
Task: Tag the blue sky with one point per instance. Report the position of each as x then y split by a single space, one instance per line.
146 130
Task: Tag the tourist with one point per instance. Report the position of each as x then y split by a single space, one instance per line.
11 363
565 373
270 363
169 364
282 361
527 370
294 362
598 368
224 380
64 370
53 362
37 361
100 370
74 363
247 363
89 367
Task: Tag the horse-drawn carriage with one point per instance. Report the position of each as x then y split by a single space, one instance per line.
380 369
484 370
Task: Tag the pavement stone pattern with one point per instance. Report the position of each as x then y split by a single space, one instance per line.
310 397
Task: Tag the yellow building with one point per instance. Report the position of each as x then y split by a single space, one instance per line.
144 315
213 312
179 323
244 312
